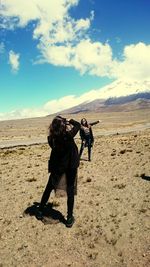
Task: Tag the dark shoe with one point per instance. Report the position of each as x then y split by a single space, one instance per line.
70 221
39 214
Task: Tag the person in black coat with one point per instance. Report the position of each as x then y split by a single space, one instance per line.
86 135
64 159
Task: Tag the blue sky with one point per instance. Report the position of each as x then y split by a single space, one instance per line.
52 49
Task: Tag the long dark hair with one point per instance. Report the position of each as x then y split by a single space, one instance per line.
86 123
58 127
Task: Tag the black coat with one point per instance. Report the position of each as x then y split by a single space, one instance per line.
64 153
83 136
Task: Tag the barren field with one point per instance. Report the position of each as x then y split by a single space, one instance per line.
35 130
112 210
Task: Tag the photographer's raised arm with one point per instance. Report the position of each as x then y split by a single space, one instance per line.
76 127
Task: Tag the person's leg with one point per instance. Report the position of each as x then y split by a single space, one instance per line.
44 199
89 150
81 149
71 176
46 194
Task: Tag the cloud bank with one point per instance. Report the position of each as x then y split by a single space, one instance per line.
115 89
50 107
64 41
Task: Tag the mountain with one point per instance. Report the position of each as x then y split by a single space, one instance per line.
117 96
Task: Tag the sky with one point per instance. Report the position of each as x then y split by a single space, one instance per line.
55 54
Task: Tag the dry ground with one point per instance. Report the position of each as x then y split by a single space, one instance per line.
112 208
28 129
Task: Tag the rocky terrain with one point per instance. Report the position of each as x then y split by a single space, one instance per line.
112 208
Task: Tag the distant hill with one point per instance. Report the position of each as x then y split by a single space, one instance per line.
118 96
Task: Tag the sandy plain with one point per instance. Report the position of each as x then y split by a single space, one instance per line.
112 210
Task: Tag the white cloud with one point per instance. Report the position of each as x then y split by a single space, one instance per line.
69 101
82 24
50 107
93 57
54 28
64 41
14 61
26 11
22 113
21 12
135 64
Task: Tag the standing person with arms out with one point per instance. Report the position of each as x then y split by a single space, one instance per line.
86 135
64 159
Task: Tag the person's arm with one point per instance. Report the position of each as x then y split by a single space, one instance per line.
50 142
94 123
76 127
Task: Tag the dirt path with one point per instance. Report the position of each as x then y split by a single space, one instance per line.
43 140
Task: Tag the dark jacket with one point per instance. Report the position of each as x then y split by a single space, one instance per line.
64 153
83 136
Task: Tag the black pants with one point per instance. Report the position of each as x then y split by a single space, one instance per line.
85 143
70 175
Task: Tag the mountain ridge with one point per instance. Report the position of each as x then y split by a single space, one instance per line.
117 96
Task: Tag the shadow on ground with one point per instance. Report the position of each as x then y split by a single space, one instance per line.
144 177
50 215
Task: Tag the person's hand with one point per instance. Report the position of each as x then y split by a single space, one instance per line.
68 120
